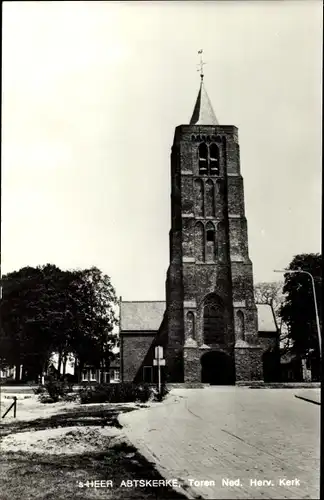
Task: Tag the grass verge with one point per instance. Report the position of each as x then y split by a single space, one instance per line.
45 476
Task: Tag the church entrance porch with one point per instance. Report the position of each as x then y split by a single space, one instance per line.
217 368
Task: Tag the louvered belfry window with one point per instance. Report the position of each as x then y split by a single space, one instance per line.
203 159
208 159
214 160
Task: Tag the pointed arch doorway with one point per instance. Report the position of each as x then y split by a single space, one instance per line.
217 368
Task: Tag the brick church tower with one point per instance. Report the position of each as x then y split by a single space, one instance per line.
211 317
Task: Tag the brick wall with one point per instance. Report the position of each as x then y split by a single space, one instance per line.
189 280
218 202
248 364
136 351
192 366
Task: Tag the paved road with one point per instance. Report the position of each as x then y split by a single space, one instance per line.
232 434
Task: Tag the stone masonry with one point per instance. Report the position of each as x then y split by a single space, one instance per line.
227 274
210 329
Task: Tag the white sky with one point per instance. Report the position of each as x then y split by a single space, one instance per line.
91 94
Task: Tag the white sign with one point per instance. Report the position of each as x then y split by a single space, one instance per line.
159 352
158 362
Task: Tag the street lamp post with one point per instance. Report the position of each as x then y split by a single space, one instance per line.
289 271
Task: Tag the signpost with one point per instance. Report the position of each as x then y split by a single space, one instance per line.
159 361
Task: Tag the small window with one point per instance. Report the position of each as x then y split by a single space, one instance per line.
210 235
210 242
85 376
147 374
116 375
93 374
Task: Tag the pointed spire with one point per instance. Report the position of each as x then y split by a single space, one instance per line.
203 113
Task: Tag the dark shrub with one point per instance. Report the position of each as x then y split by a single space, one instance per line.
125 392
70 397
164 392
54 390
71 379
39 390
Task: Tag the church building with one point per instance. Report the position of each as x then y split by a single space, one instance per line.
209 325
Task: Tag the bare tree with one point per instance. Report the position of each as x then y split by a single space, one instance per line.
271 293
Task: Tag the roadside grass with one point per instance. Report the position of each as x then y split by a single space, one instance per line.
44 477
78 416
34 476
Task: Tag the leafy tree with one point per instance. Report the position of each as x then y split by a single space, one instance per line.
32 310
95 317
298 310
46 310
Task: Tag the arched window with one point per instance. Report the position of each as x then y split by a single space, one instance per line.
199 198
210 199
203 158
191 325
210 242
214 328
199 241
214 160
240 326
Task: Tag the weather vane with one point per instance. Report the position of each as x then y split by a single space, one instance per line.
201 64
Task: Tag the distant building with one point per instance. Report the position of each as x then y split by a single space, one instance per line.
8 373
210 327
114 371
112 375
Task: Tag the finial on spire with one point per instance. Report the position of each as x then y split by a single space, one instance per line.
203 113
201 65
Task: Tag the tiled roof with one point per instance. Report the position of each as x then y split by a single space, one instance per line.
203 113
266 320
141 316
147 316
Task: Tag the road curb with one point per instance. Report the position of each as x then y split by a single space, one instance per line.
308 400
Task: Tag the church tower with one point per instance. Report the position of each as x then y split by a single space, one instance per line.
211 317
